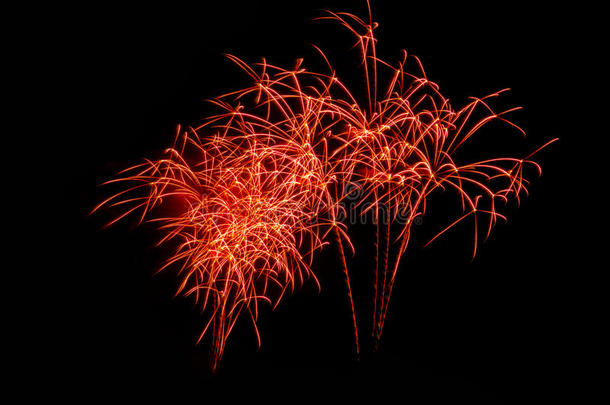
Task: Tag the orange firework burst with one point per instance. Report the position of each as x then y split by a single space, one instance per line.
248 197
249 203
401 145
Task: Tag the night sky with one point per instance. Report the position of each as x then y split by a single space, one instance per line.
506 327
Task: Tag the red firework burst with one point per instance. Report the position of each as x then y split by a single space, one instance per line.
248 197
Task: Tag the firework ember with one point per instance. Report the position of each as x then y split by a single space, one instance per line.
249 197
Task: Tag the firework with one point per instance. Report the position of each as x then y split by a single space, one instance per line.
400 146
247 198
247 204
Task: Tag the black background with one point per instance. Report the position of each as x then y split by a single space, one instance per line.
512 326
